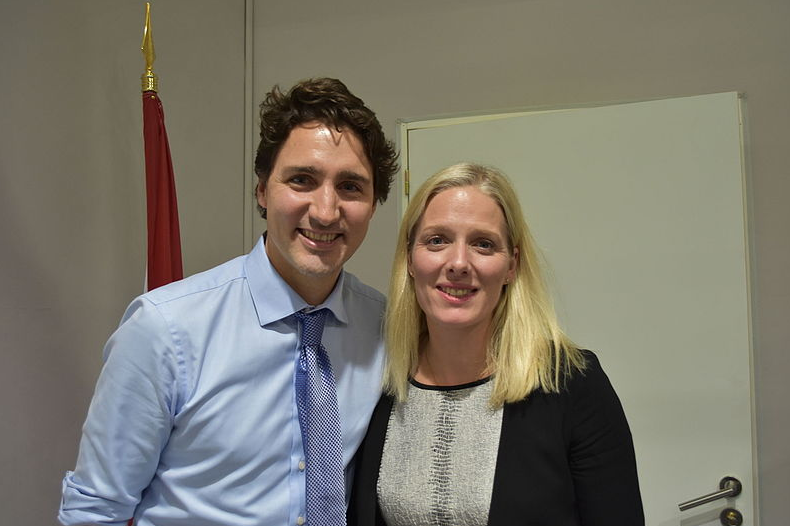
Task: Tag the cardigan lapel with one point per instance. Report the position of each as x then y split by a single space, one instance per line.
364 509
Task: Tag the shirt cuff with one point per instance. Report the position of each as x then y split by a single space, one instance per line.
80 504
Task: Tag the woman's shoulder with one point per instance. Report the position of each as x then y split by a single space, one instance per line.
589 362
584 394
580 372
588 374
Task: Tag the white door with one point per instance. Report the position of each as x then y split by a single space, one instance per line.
639 210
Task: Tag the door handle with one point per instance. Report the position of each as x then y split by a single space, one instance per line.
728 487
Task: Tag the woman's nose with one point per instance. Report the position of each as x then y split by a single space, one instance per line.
458 264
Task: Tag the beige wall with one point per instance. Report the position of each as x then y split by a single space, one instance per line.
72 223
71 175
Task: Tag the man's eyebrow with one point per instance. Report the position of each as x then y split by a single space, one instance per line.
349 175
289 170
344 175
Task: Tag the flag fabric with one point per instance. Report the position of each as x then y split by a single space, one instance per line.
164 238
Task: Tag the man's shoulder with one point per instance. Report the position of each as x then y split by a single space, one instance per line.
362 292
211 280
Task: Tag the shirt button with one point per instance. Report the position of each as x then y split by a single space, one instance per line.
300 520
301 465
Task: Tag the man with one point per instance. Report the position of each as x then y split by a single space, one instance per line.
203 413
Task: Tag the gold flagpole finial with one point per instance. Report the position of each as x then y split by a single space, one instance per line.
150 81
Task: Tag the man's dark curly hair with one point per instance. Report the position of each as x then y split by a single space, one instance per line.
329 102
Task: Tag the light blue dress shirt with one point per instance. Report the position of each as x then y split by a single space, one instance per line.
194 419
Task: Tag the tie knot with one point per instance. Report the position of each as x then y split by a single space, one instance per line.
312 326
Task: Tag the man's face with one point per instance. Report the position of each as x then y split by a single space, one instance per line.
319 201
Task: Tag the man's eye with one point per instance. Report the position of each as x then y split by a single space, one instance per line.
298 180
350 187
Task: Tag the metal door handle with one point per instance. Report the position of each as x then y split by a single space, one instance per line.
728 487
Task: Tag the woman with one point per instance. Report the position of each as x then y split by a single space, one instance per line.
491 415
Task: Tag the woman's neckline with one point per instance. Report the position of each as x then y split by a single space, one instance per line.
467 385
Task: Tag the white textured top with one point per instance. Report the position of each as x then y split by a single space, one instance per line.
439 458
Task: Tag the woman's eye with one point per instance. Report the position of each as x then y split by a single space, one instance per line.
434 241
485 244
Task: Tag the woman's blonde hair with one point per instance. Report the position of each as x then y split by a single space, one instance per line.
528 350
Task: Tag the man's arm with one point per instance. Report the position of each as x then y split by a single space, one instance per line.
128 422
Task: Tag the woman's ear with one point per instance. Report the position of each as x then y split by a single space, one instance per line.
511 271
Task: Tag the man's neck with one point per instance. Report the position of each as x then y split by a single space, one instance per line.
314 293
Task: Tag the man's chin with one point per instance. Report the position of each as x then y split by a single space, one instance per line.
318 267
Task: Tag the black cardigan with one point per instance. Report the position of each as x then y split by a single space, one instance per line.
565 459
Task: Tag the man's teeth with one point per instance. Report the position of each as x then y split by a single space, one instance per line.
456 292
324 238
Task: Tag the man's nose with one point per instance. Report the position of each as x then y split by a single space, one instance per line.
325 207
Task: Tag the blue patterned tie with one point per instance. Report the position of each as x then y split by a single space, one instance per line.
319 420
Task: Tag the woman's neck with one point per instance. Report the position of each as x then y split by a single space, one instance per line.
453 357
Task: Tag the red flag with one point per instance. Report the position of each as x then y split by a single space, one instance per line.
164 238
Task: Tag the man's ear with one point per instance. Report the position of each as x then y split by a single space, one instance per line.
260 192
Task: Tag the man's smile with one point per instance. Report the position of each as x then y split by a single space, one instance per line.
317 236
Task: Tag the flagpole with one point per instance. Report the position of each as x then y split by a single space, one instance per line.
163 263
149 78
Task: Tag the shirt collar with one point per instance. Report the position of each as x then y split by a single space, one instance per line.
274 299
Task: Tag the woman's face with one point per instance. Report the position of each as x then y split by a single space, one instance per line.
460 259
